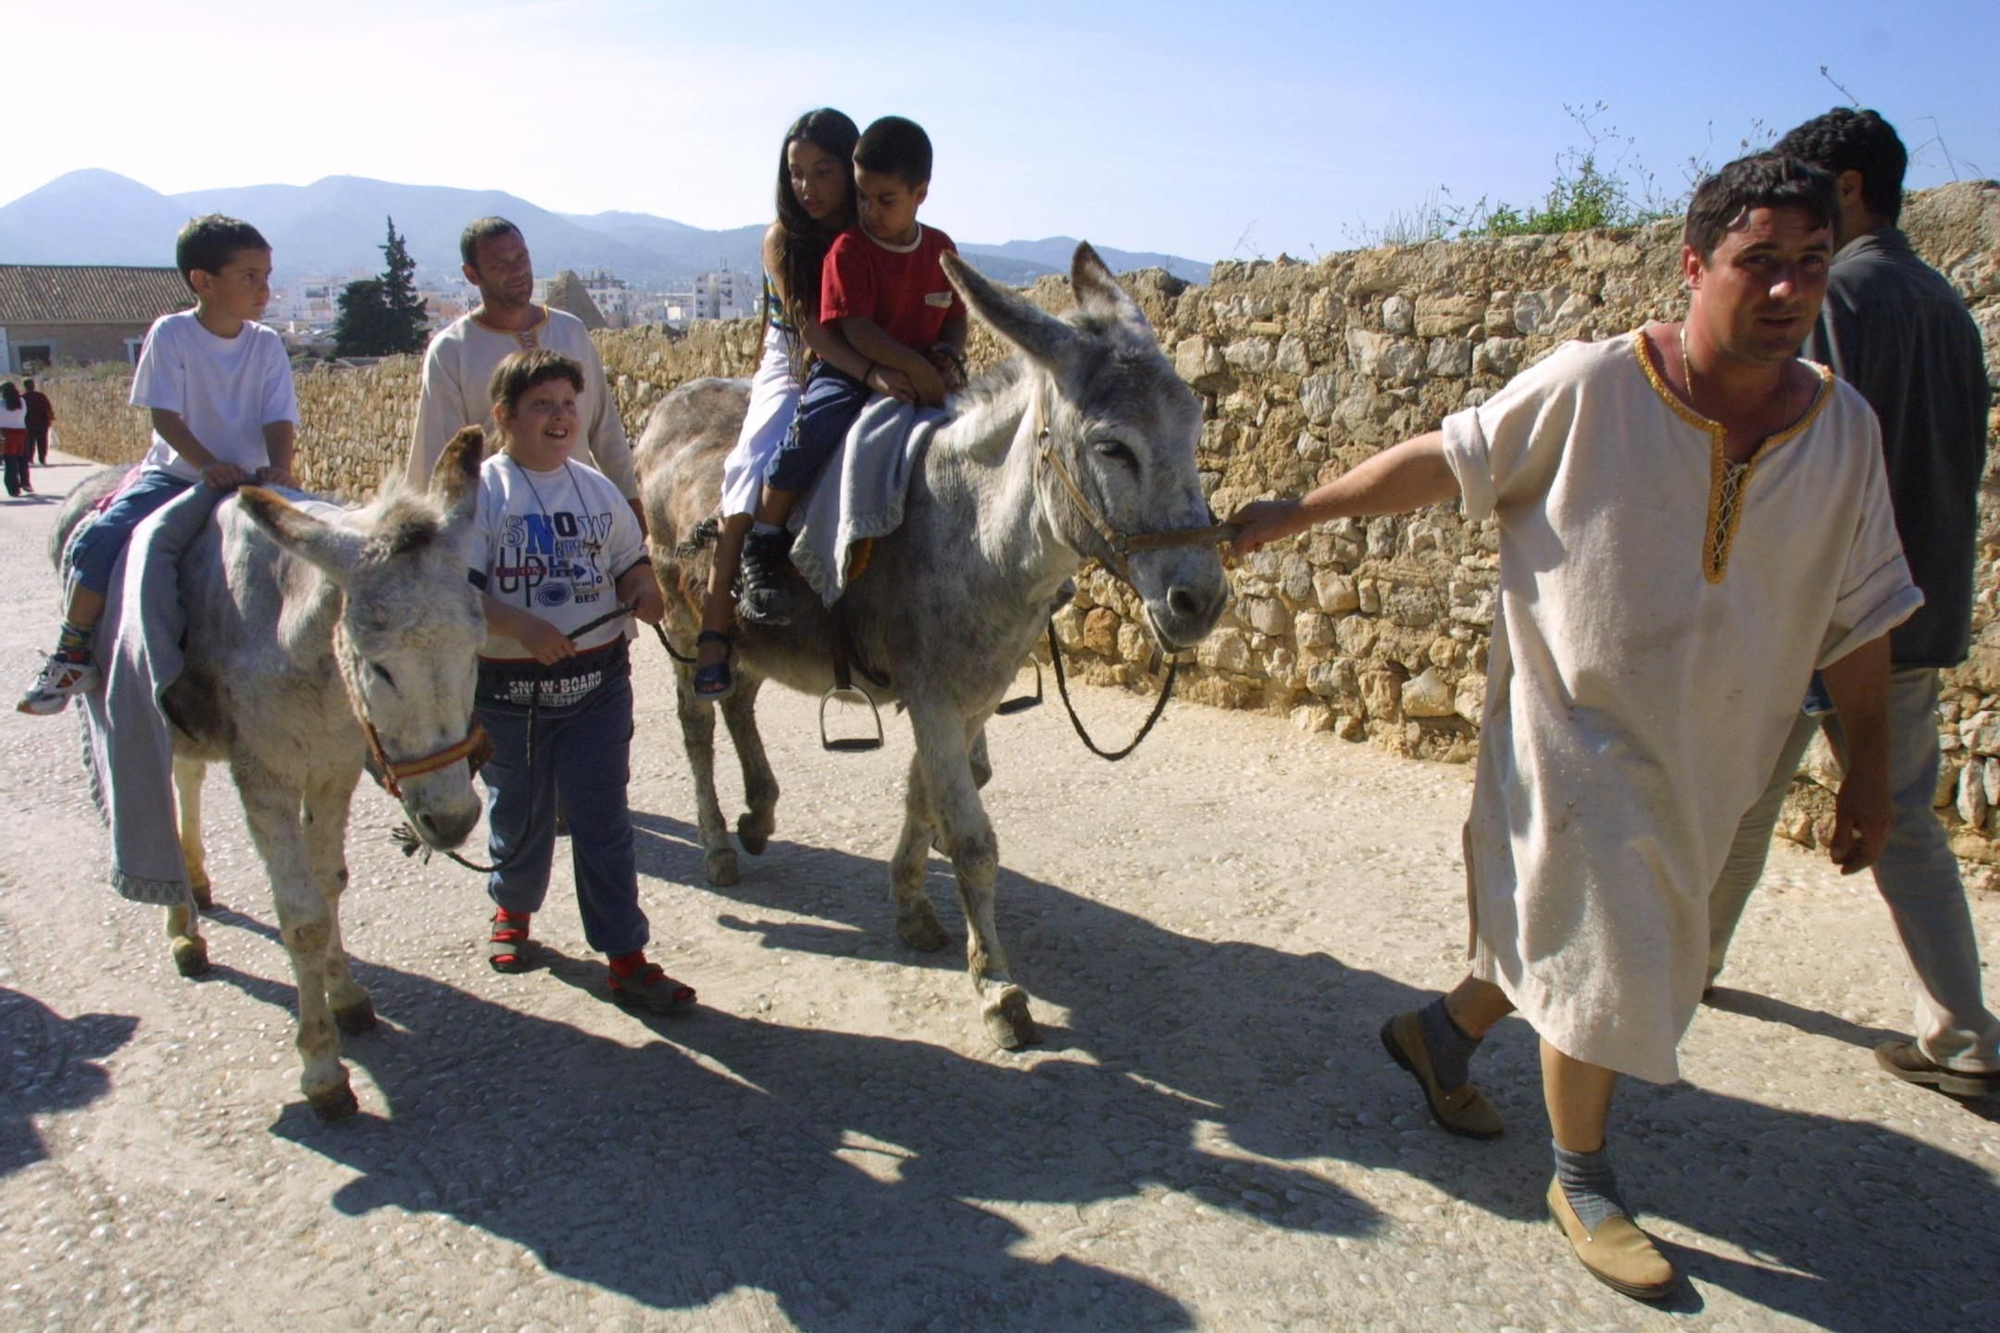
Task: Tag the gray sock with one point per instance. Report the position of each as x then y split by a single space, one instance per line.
1451 1050
1589 1184
767 529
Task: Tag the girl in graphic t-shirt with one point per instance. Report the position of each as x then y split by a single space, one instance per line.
558 555
815 204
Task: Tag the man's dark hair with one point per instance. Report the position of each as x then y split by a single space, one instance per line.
209 242
30 385
1762 180
1845 139
895 146
485 229
522 371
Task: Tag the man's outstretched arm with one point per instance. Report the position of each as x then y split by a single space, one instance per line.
1407 476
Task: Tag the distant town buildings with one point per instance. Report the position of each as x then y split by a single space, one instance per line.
306 303
610 295
58 314
720 294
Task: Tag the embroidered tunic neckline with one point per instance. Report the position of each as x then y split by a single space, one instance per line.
1728 482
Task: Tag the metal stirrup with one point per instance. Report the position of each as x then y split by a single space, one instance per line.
849 693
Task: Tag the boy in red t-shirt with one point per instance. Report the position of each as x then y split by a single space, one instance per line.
883 287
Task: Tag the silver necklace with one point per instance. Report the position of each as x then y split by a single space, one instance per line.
576 489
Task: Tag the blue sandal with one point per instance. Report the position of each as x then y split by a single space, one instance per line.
715 682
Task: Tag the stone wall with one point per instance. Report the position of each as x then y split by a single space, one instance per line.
1370 630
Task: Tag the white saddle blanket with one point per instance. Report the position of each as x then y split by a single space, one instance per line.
859 493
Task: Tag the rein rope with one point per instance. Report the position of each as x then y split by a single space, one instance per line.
1121 545
1062 688
406 838
701 536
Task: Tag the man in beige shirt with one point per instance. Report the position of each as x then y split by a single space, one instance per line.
459 363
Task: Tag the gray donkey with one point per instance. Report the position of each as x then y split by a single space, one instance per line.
1089 416
311 646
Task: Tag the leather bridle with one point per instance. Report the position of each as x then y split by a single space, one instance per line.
391 773
1122 545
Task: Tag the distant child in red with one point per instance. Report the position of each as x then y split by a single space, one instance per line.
884 289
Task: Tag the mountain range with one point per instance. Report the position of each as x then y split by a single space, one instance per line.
335 226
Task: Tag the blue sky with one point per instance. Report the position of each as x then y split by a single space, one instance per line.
1212 130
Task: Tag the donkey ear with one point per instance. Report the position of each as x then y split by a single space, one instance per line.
332 549
455 479
1097 292
1011 315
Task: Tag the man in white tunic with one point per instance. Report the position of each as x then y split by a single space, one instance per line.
1691 521
461 359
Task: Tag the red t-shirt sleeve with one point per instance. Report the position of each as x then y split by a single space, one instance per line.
846 282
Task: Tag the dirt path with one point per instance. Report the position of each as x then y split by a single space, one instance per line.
1212 1137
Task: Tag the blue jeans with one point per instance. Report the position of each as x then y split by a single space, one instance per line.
831 401
582 757
1917 876
93 553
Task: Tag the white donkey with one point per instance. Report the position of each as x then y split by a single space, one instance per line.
311 646
1083 445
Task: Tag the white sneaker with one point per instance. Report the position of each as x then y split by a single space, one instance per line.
60 679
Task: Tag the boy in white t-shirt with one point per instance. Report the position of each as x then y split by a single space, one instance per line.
219 388
559 559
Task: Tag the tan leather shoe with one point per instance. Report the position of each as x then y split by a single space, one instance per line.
1617 1254
1464 1111
1907 1061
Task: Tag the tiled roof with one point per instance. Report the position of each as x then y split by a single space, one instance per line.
89 294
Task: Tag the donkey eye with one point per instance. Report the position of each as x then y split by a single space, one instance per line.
382 674
1118 452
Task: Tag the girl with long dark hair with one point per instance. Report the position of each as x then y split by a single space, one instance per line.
815 204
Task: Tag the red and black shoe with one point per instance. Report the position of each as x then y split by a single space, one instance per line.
507 948
638 984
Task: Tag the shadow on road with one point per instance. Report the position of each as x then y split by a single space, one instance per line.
1812 1022
50 1065
839 1171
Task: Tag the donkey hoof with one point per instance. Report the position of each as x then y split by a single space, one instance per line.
356 1018
921 930
204 895
191 955
335 1103
1009 1023
721 868
754 834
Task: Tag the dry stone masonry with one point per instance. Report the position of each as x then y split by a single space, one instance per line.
1374 629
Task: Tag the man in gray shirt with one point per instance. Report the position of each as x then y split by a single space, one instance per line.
1894 329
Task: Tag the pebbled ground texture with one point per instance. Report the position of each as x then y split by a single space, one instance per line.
1209 1135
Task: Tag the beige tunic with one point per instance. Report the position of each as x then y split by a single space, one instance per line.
459 365
1652 647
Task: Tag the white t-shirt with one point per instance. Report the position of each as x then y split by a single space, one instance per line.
554 544
459 365
226 390
17 419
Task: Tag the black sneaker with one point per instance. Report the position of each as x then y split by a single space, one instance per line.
762 597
